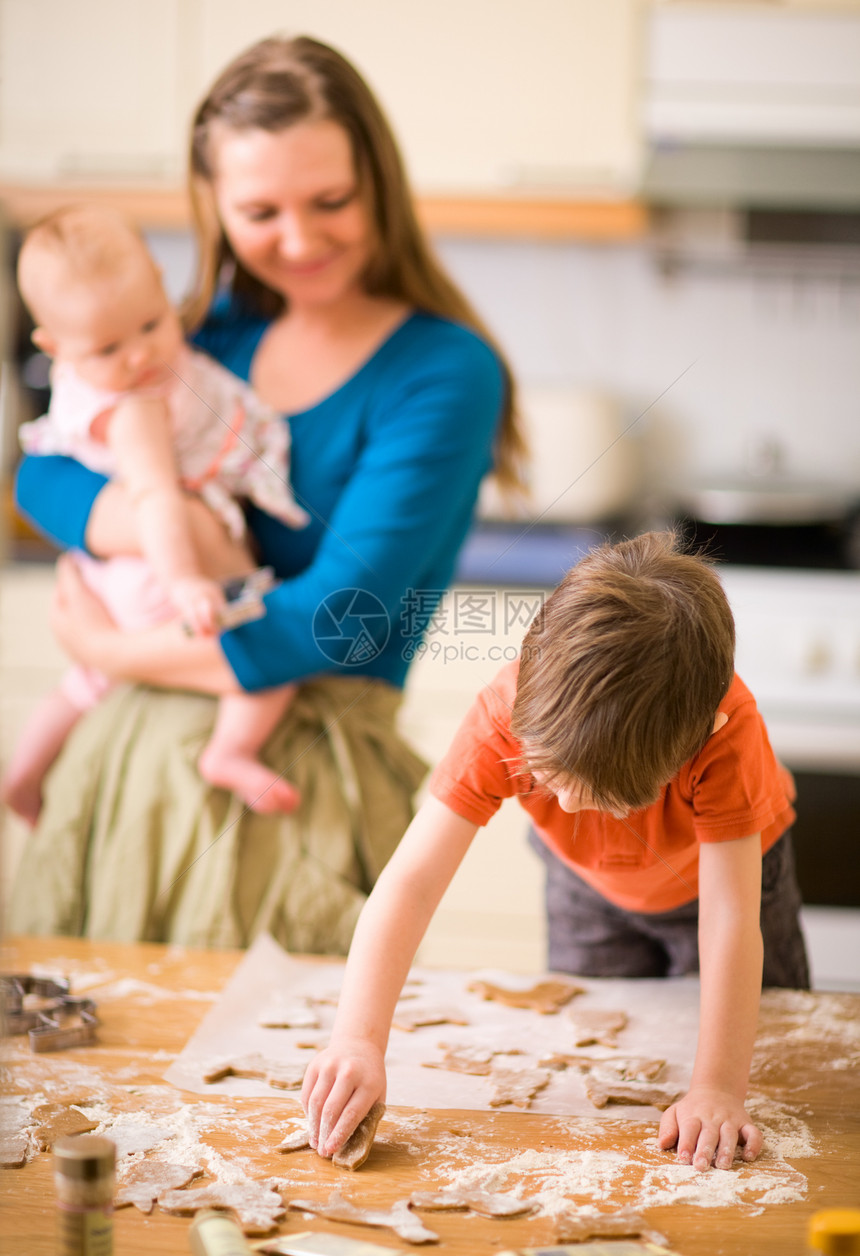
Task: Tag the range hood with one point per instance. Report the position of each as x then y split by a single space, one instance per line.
752 105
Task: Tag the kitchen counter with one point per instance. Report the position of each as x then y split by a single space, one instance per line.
151 998
548 218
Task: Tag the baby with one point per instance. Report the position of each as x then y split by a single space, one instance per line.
131 400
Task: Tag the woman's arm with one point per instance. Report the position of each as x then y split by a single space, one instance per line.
424 444
710 1121
405 509
343 1082
78 508
165 657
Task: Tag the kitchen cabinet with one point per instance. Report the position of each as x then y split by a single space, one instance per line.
91 89
488 97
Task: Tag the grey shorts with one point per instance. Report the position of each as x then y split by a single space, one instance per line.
592 937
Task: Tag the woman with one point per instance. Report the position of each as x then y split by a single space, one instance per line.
315 284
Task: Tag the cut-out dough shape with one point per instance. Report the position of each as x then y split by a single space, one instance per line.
474 1060
485 1203
605 1089
357 1147
416 1017
279 1076
283 1013
627 1069
596 1027
398 1217
56 1120
546 997
257 1206
625 1224
144 1182
516 1086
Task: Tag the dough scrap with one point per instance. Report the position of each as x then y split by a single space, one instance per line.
546 997
56 1120
257 1206
485 1203
283 1013
279 1076
399 1217
296 1140
627 1069
573 1227
415 1017
357 1147
144 1182
14 1145
516 1086
596 1027
604 1089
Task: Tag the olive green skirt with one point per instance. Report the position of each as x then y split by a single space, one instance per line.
132 844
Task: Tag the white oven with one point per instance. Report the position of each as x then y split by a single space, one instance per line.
798 634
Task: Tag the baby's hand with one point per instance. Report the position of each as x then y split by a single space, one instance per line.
708 1125
341 1085
200 602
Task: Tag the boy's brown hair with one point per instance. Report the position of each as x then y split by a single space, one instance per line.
623 669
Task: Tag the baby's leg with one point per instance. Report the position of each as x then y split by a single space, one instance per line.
230 761
39 745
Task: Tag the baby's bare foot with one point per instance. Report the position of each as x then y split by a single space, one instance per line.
259 787
23 796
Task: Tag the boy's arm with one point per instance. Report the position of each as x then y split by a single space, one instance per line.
710 1121
140 438
344 1081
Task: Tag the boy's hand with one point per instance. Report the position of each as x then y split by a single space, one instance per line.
341 1085
708 1125
200 602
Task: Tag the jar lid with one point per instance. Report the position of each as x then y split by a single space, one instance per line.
835 1231
84 1156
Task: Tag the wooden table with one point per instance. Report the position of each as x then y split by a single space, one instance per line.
138 1033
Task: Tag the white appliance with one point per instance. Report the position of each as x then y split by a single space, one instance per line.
753 103
798 649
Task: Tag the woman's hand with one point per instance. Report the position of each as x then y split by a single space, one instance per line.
80 621
708 1126
341 1085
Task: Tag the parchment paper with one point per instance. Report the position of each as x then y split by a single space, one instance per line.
663 1020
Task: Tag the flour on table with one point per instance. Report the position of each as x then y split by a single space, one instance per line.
573 1173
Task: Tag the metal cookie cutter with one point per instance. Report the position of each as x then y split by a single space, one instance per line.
69 1023
244 597
18 988
54 1020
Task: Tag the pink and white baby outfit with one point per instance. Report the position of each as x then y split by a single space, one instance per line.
227 445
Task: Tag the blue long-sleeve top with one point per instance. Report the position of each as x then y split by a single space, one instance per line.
388 466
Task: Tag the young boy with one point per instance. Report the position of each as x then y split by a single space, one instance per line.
130 400
645 766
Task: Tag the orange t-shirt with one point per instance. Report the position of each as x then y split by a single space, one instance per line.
648 861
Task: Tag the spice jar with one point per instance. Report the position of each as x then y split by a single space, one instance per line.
84 1170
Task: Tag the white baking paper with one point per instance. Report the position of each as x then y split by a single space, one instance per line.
662 1022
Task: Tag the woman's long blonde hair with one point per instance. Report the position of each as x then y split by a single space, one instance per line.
275 84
